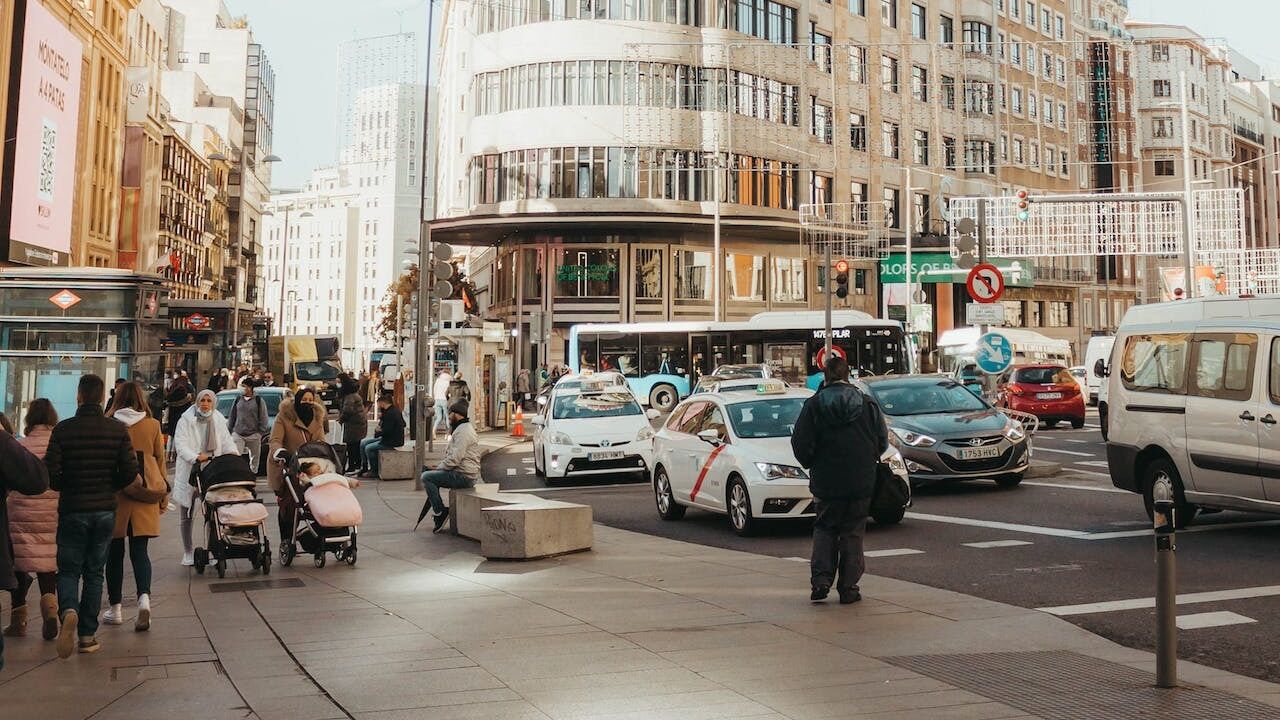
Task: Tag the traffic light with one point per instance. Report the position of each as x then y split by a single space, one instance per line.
966 242
842 278
1023 204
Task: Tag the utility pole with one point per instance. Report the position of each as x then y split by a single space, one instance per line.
908 230
1188 207
988 381
424 348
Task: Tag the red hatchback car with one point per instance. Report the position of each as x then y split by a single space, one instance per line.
1047 391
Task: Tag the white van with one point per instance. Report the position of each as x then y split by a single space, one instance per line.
1193 392
1099 348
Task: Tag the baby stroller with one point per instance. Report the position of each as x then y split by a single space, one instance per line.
235 519
310 533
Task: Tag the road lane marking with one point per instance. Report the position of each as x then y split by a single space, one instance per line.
893 553
1041 448
1068 486
1196 621
1082 471
1091 463
1075 440
1079 534
1150 602
511 471
796 559
527 460
996 544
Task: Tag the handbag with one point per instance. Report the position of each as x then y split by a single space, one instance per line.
891 495
150 486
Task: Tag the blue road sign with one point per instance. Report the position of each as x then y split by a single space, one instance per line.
995 353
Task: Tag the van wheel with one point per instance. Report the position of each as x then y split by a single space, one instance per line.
1160 468
668 508
663 397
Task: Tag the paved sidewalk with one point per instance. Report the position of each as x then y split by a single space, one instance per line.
640 628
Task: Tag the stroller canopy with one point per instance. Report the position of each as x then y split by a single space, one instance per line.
225 469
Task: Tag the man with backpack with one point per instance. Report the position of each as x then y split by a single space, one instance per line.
839 438
248 422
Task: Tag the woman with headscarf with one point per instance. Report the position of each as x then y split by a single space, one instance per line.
300 420
201 435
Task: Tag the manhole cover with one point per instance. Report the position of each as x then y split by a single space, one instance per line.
1070 686
248 585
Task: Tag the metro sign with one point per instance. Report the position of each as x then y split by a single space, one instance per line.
65 299
196 321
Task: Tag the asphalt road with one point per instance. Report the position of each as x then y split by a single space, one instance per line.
1068 540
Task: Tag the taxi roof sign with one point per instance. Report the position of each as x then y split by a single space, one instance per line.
771 387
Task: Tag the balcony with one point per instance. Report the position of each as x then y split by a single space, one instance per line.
1250 135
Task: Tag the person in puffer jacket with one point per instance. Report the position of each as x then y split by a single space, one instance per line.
22 472
33 531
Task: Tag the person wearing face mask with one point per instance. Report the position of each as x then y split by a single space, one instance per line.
200 436
300 420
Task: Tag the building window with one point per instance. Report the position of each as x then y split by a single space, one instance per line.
1160 52
857 64
1015 53
1164 167
980 156
891 198
691 271
948 85
889 139
858 7
587 273
919 83
977 37
1162 127
1015 100
946 30
857 192
889 73
920 146
820 190
858 131
788 280
949 152
977 97
204 58
1161 88
920 213
819 48
889 12
821 120
919 22
744 277
1057 314
1012 313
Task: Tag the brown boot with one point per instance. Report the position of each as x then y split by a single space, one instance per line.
49 613
17 622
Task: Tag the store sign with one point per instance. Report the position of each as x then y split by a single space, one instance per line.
64 299
196 321
936 267
572 273
44 154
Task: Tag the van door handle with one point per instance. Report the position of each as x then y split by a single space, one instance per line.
1268 419
1246 415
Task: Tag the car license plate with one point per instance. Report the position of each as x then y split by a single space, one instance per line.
980 453
605 455
1048 396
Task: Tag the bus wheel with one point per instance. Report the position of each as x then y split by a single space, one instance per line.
663 398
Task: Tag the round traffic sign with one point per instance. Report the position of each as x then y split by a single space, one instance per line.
994 354
985 283
842 266
820 358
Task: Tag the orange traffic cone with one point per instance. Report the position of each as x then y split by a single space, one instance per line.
517 427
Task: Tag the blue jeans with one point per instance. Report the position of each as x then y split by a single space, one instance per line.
369 448
433 480
83 539
441 417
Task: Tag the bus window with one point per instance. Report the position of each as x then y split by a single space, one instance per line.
788 362
620 353
664 354
588 352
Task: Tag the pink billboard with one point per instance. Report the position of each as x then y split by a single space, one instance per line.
44 169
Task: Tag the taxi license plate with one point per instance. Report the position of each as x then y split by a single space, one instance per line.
605 455
1048 396
980 453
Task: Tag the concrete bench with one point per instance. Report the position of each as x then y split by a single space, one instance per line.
519 526
396 464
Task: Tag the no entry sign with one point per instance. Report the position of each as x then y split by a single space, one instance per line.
820 359
985 283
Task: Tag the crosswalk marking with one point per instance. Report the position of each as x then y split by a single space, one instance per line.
510 471
996 544
1150 602
1042 448
1091 463
893 553
1197 621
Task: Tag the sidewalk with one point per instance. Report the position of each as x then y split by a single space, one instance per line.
640 628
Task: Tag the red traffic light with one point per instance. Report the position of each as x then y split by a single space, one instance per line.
842 266
1022 195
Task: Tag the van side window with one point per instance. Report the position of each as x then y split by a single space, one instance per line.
1224 366
1274 373
1156 363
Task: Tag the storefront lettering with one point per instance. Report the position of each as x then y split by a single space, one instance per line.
571 273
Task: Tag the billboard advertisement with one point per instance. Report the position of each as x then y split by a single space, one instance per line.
43 141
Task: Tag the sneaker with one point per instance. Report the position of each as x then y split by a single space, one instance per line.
849 597
89 645
188 559
67 635
439 520
819 593
143 622
114 615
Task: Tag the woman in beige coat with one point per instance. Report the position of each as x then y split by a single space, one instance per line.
33 529
298 422
135 520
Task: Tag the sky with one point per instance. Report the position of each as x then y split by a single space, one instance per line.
301 38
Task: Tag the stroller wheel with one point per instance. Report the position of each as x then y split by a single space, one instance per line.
222 568
351 556
319 561
200 558
287 551
264 564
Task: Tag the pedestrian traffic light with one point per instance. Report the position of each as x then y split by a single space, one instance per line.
1023 204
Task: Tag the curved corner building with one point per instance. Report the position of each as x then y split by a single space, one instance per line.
582 142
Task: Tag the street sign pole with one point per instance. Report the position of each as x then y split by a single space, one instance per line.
988 381
827 286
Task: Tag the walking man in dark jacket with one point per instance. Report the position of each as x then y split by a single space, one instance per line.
839 438
20 471
90 459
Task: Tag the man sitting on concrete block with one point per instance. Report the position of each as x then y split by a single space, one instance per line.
460 467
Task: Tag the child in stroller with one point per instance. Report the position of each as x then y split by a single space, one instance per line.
235 518
326 512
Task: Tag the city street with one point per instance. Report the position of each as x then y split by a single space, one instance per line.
1072 543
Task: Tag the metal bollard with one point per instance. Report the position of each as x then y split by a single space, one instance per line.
1166 585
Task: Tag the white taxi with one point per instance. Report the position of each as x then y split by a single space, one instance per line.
591 427
730 453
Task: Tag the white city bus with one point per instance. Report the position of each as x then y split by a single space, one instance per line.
662 361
